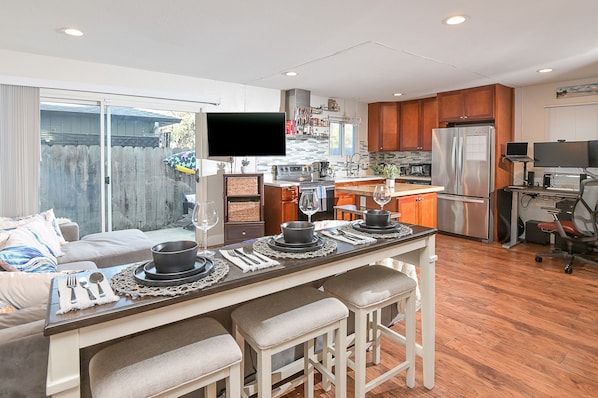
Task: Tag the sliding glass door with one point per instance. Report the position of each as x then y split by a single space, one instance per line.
112 167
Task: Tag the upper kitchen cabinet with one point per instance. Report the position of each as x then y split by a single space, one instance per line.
469 105
416 121
383 118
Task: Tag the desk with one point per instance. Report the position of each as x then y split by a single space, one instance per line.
78 329
517 190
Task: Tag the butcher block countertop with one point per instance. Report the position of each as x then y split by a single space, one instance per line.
400 189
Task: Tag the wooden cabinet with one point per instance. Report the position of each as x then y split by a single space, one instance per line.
243 207
383 121
469 105
418 209
281 205
416 121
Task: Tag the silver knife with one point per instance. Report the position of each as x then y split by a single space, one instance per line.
242 253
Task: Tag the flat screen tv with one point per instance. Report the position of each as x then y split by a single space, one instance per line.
246 134
561 154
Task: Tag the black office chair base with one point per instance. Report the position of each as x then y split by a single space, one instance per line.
569 258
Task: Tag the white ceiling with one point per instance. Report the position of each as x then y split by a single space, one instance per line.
355 49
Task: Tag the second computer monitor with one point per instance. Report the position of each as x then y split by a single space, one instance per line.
562 154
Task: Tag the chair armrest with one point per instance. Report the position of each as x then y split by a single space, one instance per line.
70 231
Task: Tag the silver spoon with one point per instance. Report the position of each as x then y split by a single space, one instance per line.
96 278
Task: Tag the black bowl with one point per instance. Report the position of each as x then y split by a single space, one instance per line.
376 218
297 231
170 257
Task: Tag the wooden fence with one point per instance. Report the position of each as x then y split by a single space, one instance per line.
146 193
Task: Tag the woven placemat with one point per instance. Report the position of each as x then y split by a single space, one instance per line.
124 282
402 230
261 246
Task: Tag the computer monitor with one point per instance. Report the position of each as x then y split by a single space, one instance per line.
562 154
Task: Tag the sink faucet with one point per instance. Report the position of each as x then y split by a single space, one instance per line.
351 163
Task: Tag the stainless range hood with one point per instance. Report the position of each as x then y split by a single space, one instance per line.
296 102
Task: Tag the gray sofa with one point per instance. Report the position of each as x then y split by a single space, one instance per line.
23 347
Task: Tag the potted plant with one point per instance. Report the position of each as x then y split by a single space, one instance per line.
244 164
391 172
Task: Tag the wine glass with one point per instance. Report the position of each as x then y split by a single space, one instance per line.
382 195
205 216
309 203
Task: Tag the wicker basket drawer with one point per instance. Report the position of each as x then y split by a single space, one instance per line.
244 211
242 186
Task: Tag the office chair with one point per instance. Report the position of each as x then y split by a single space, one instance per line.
581 230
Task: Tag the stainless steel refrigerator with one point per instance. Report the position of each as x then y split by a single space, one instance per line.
463 163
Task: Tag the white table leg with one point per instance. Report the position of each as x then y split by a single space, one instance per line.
427 263
63 378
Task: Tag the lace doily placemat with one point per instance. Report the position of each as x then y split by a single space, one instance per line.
402 230
124 282
261 246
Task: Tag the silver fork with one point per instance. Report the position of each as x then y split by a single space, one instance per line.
339 232
71 282
233 254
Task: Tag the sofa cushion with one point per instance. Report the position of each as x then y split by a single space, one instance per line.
107 249
23 317
22 290
25 251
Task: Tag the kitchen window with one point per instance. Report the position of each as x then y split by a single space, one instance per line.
343 138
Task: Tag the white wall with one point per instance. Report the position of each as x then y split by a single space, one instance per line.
530 120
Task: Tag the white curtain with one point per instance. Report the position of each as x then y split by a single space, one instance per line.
19 150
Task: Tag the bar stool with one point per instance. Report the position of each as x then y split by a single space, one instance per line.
168 362
365 291
282 320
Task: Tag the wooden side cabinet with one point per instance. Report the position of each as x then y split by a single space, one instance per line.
281 205
419 209
416 121
469 105
243 207
383 122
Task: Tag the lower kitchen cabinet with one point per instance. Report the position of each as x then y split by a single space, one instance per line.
280 205
418 209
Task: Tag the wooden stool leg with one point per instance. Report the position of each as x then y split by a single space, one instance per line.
211 390
241 343
361 330
264 374
376 336
308 368
340 361
234 381
326 360
410 339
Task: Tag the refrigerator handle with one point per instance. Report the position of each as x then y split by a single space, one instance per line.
459 198
454 150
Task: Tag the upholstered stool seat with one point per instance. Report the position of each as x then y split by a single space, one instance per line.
296 316
168 362
365 291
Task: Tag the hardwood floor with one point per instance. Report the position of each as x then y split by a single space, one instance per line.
506 326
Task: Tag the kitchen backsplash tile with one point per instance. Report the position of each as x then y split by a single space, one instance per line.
313 150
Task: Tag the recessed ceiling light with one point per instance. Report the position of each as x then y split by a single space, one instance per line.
291 73
72 32
397 94
545 70
455 20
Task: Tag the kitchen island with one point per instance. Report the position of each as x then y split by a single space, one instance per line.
415 203
70 332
